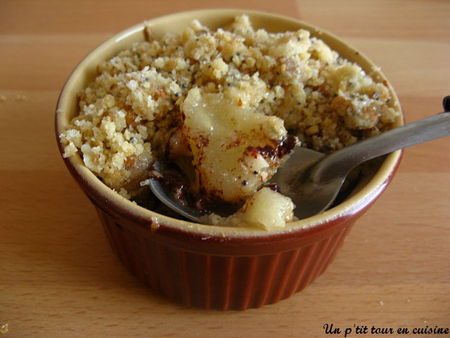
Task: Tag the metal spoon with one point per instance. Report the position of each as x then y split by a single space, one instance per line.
312 180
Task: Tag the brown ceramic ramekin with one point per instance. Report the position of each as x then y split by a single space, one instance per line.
209 266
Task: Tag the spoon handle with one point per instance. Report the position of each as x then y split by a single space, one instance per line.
342 161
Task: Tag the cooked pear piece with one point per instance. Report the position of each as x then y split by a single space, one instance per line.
235 149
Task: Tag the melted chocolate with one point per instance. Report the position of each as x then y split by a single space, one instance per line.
174 181
276 151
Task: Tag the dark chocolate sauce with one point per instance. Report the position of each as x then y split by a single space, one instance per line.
275 151
178 185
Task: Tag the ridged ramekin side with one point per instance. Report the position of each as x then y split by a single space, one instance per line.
223 282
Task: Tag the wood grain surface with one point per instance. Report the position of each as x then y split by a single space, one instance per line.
58 276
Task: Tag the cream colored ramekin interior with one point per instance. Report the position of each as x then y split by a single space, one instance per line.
85 72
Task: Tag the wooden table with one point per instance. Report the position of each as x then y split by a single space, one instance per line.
58 276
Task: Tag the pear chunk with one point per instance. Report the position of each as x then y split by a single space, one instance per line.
235 149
